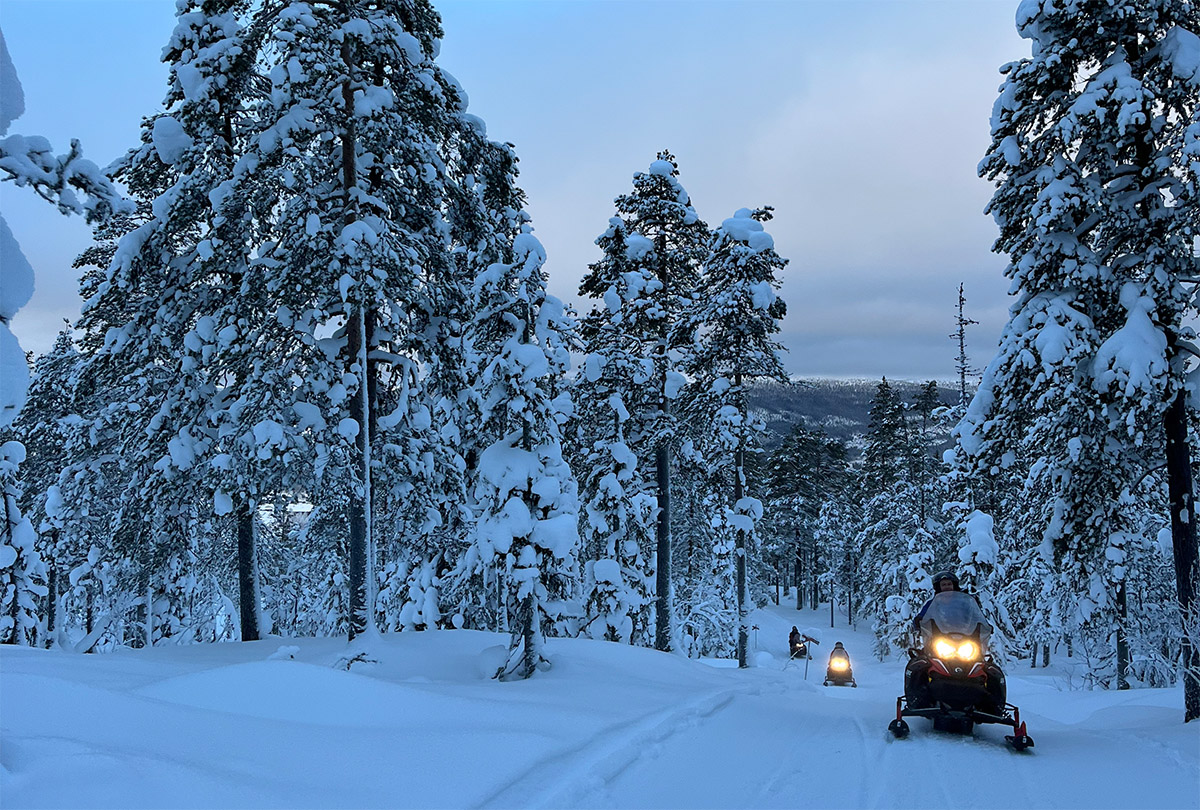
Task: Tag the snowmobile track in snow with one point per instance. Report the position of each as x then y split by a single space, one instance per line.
585 769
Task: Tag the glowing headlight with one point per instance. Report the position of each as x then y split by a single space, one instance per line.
967 650
839 664
944 649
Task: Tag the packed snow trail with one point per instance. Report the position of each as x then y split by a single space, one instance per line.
831 748
608 726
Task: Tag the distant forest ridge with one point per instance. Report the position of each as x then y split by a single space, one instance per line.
839 407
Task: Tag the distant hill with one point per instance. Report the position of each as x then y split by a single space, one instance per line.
839 407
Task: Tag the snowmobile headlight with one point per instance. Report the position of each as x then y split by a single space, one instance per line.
840 664
967 650
944 648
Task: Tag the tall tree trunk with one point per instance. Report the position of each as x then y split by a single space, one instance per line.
740 554
247 571
148 641
1045 655
1183 540
1122 637
358 327
662 473
739 492
662 581
51 597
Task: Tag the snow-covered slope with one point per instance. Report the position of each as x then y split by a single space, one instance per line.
608 726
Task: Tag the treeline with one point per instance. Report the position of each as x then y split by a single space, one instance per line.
318 386
867 524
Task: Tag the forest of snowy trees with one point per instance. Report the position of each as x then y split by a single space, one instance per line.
318 386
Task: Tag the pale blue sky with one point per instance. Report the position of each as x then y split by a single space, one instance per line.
861 122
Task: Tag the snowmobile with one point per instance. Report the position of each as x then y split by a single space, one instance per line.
799 648
951 679
839 672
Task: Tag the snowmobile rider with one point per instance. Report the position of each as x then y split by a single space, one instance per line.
839 651
794 637
942 581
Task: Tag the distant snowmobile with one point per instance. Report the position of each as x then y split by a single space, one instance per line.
798 644
951 679
839 672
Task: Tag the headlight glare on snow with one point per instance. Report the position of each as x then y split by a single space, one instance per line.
840 664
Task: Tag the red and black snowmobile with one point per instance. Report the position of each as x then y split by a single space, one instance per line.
951 679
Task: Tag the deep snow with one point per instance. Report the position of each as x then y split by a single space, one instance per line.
241 725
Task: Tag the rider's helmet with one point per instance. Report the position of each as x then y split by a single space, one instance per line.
941 575
838 646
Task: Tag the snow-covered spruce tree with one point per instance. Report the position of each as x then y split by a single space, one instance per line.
1093 156
649 271
527 531
21 568
617 522
49 414
485 210
897 549
733 325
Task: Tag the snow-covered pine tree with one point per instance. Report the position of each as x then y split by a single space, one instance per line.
167 279
361 236
1094 138
733 325
527 530
648 273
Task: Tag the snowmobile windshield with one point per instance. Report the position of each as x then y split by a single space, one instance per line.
955 612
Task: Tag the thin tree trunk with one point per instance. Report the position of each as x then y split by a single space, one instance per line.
662 582
798 553
149 626
662 461
247 571
1183 541
51 598
740 554
1122 638
1045 655
739 492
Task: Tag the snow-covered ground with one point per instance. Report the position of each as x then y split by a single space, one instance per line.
608 726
